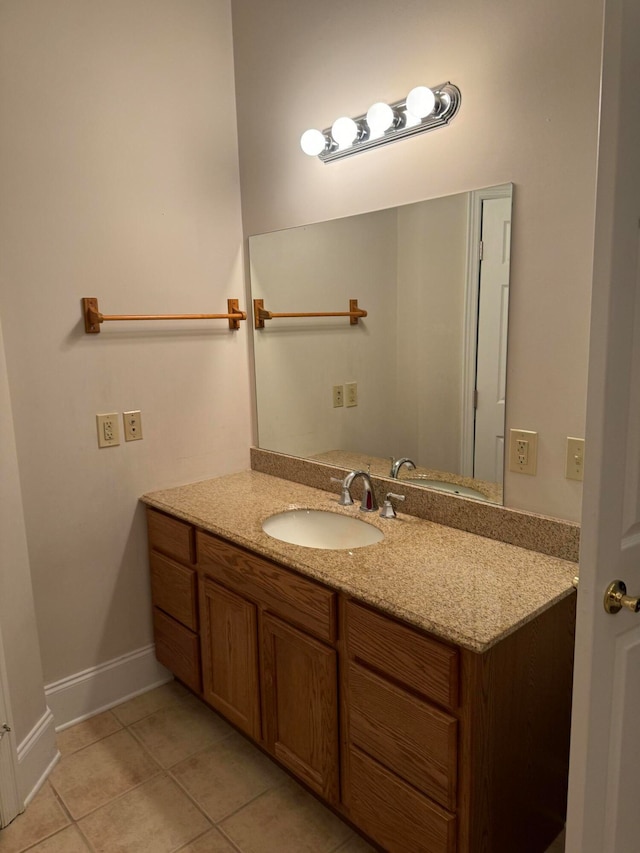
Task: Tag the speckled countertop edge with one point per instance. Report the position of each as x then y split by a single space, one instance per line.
464 588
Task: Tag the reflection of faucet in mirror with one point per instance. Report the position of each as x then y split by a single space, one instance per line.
369 502
396 465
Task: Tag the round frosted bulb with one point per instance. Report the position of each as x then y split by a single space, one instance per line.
313 142
345 131
380 117
421 102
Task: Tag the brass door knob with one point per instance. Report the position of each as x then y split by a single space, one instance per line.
615 598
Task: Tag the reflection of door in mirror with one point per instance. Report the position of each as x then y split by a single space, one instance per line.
416 271
491 363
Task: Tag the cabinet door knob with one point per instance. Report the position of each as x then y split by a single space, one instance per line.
615 598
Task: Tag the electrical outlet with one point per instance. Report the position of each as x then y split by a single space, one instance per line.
523 451
574 469
338 396
132 426
351 394
108 430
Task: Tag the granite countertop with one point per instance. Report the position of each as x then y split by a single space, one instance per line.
462 587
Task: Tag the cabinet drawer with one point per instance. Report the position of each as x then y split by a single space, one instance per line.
173 589
406 656
395 815
407 735
298 600
177 648
171 537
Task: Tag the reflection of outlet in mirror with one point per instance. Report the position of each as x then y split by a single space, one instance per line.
523 451
132 426
108 430
351 394
574 469
338 396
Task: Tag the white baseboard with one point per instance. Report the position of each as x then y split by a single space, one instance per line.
37 755
99 688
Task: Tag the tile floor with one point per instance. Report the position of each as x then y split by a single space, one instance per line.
163 773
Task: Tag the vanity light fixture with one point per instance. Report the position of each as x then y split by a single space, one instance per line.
423 109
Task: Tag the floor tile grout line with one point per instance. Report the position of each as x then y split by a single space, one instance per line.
64 755
119 796
174 701
235 847
56 831
85 838
184 758
146 749
216 823
228 838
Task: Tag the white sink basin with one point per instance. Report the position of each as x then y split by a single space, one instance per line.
317 528
446 486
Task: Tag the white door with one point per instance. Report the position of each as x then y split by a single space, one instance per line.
10 803
493 309
604 780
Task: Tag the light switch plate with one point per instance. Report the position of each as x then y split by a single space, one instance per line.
523 451
574 469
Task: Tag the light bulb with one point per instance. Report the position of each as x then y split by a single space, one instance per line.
421 102
313 142
380 117
345 131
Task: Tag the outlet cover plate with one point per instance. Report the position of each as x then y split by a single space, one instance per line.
523 451
108 430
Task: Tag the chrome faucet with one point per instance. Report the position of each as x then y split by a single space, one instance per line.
396 465
368 502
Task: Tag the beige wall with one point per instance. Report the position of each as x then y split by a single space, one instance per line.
529 76
118 179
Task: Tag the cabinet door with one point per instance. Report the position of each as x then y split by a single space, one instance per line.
230 653
301 705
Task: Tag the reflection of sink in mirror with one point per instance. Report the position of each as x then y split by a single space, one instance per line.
445 486
317 528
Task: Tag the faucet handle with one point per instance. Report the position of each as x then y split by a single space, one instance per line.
388 510
345 496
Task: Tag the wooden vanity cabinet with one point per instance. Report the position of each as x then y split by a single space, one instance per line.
425 746
174 597
448 751
270 663
400 759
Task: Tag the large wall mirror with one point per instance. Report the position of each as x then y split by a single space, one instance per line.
429 359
